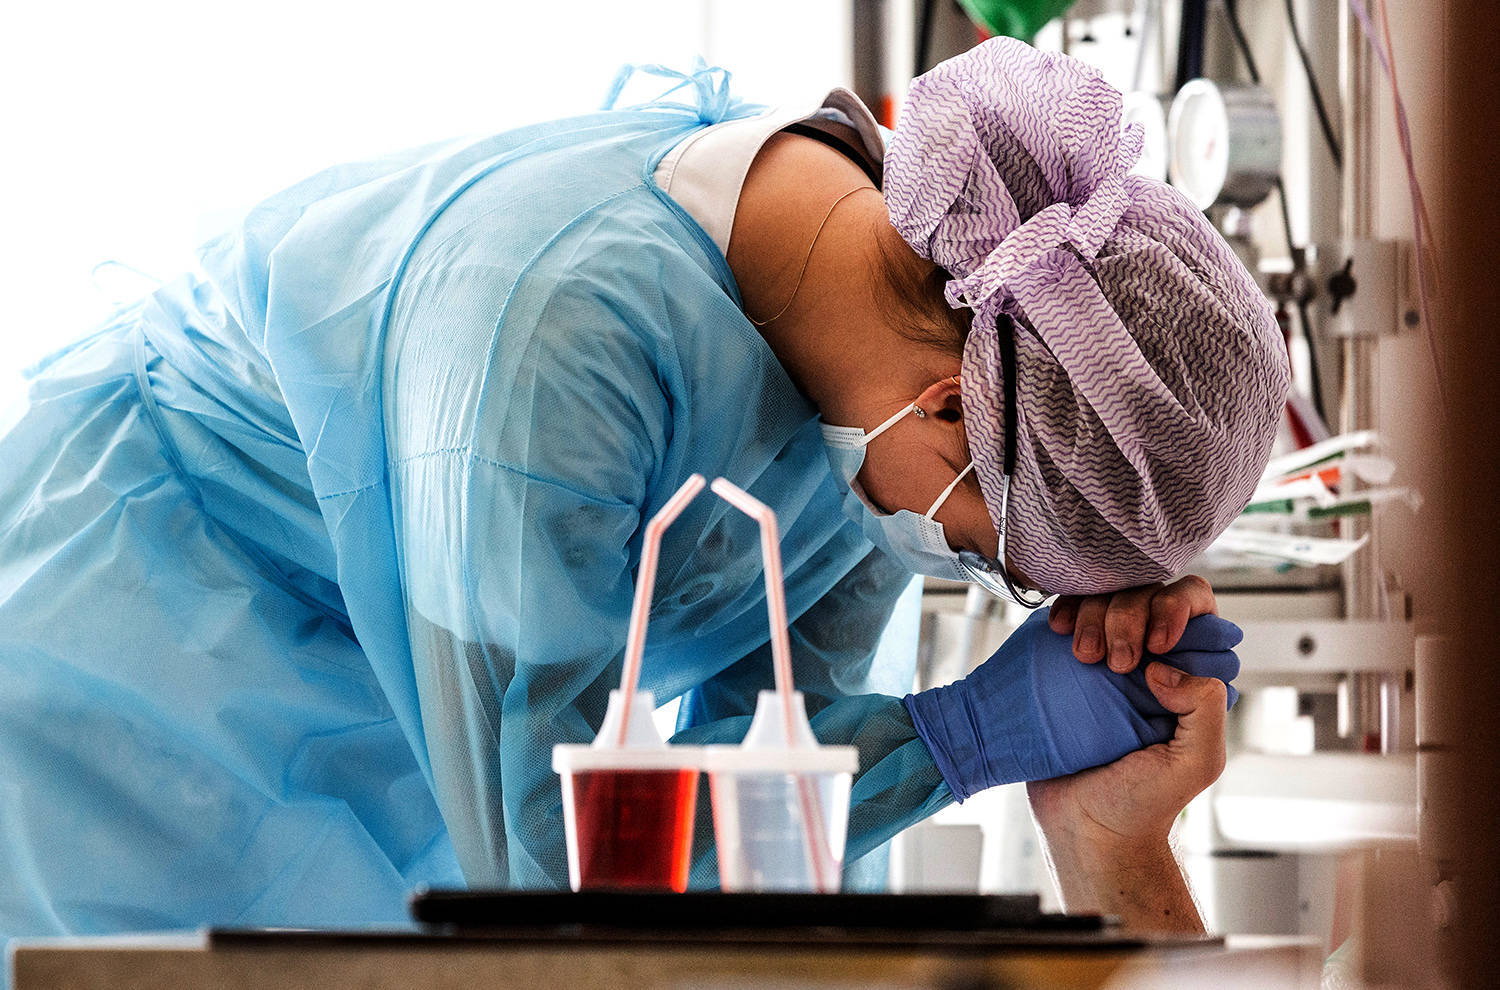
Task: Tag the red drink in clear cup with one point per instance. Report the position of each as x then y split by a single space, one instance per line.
628 814
634 828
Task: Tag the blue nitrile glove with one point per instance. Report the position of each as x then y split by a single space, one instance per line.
1033 711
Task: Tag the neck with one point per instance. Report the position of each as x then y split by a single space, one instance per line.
809 254
840 340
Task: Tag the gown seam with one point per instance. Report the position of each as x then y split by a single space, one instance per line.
437 452
494 462
351 491
173 458
549 481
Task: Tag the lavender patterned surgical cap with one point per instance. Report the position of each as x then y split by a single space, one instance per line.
1150 373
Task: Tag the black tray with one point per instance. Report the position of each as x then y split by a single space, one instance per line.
478 909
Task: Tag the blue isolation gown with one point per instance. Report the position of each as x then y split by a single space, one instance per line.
306 564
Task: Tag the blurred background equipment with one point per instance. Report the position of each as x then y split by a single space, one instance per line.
1014 18
1281 121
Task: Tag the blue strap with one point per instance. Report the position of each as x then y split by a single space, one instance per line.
710 82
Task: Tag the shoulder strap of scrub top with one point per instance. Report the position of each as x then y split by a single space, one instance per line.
837 144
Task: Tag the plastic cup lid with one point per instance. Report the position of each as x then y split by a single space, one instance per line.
811 759
576 758
765 748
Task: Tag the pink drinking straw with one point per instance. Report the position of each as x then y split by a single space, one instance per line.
770 549
645 584
781 659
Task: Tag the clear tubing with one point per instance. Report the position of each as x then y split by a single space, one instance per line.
645 584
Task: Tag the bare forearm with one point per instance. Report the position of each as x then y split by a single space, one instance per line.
1143 886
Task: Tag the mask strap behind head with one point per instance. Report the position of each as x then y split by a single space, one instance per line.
1006 332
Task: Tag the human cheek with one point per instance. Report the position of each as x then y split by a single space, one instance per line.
969 524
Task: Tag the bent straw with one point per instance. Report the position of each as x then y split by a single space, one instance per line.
770 549
645 584
814 833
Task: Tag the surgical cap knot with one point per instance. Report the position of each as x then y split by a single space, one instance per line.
1019 253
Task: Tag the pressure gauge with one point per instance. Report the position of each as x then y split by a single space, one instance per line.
1147 109
1226 143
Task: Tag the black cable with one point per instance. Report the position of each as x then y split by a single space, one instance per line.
1190 41
1232 16
1312 361
1297 255
1317 94
1239 39
1299 258
925 18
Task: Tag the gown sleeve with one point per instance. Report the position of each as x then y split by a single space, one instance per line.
519 514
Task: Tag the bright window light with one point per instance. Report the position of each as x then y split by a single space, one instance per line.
136 131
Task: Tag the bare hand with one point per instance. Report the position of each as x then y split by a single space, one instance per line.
1124 624
1107 830
1132 802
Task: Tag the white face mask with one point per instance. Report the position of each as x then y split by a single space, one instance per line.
916 541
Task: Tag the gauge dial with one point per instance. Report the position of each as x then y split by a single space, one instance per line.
1226 143
1200 142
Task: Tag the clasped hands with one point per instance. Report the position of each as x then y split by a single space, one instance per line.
1115 747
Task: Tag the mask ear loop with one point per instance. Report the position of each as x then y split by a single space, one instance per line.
910 407
948 491
865 441
961 475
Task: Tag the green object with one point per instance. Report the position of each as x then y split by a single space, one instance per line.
1280 506
1014 18
1360 508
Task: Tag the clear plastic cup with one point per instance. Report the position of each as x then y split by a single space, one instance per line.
781 813
628 810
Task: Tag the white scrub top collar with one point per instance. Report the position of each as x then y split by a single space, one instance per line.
706 171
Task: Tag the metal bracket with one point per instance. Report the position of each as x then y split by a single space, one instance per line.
1273 649
1356 286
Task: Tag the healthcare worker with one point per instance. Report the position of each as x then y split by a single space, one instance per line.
308 562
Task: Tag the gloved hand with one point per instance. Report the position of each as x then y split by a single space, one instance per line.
1033 712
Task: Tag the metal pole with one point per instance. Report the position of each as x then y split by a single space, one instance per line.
869 40
1362 577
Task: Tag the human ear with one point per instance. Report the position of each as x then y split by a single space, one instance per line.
942 401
